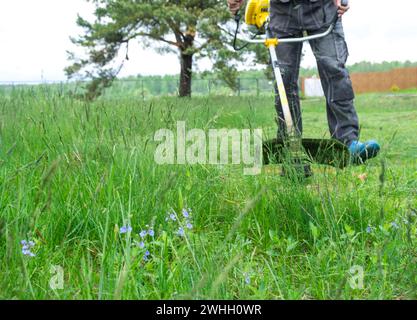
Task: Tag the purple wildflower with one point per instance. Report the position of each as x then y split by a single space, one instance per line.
141 244
125 229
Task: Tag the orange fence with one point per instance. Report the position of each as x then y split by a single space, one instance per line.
402 78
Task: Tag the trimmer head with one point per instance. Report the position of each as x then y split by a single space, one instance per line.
319 151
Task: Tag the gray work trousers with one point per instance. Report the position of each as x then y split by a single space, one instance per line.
331 54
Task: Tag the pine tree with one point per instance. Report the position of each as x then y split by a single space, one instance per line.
194 29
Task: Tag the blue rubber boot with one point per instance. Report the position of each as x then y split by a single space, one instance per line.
361 152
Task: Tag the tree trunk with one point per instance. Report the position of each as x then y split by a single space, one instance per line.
186 75
186 56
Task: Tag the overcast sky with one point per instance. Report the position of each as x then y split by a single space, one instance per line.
34 37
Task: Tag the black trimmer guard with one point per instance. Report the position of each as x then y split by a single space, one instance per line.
320 151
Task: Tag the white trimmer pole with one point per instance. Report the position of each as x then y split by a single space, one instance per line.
293 142
281 90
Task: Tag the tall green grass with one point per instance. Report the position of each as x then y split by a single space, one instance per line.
72 173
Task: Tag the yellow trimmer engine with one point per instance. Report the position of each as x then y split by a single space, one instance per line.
257 13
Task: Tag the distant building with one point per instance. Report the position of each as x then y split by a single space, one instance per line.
312 87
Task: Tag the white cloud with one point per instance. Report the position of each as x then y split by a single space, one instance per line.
376 31
34 37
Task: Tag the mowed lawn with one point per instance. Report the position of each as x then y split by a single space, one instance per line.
79 180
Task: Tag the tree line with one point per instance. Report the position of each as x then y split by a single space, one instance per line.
363 66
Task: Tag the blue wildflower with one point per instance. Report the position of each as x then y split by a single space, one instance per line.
151 232
186 213
28 253
247 280
395 225
26 248
125 229
146 255
170 215
189 225
141 244
143 234
181 232
369 229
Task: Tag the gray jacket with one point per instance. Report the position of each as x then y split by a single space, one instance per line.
293 16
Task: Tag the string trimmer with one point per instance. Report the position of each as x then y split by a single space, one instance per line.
295 152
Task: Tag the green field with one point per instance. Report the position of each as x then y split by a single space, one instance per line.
73 173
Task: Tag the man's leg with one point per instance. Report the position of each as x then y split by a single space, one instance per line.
289 56
331 54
